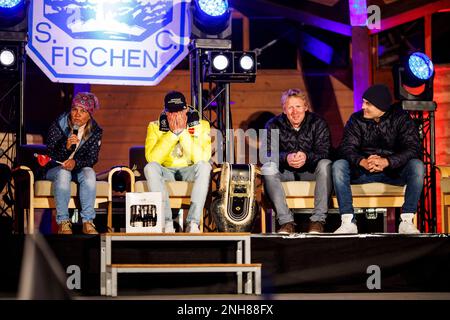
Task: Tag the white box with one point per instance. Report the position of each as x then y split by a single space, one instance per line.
143 212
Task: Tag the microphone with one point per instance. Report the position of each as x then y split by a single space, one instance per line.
75 132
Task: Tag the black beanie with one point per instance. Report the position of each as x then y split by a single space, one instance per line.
379 95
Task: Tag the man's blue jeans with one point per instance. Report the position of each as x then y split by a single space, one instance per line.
199 173
411 175
274 189
87 188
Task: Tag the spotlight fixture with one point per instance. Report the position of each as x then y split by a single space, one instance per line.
413 78
8 58
11 12
229 66
9 3
211 19
220 62
245 62
13 19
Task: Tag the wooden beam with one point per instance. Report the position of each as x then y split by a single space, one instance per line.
411 15
428 35
246 33
274 10
362 64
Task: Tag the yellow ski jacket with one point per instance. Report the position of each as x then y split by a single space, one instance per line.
175 151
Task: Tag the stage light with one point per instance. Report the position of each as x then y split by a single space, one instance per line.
9 3
221 61
246 61
413 78
211 19
8 58
213 8
13 19
229 66
421 66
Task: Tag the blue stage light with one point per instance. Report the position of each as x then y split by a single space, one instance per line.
420 65
211 19
9 3
413 78
213 8
13 13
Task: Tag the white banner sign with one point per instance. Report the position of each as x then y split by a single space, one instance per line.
127 42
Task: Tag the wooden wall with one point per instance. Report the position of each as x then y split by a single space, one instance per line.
126 110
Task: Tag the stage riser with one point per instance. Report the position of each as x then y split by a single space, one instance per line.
407 264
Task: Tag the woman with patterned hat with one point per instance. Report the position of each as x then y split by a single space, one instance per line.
74 139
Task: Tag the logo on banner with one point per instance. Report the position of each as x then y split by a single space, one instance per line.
130 42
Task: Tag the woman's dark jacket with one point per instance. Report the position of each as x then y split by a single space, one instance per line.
313 138
87 152
394 137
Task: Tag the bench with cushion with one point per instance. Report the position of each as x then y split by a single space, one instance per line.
179 191
300 195
32 191
445 197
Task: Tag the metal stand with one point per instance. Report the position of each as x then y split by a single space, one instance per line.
423 114
212 101
11 121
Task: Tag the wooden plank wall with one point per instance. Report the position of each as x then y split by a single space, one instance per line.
126 110
442 97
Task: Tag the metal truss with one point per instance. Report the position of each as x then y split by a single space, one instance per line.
422 113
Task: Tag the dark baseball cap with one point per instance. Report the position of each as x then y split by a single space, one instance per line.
174 101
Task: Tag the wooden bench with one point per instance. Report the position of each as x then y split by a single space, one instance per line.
250 268
300 195
445 197
33 192
241 239
179 191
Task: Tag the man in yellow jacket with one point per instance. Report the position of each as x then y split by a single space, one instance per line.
178 148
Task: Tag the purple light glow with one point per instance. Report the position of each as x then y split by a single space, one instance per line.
317 48
358 12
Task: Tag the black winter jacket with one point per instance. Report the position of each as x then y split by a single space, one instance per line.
88 150
394 137
313 138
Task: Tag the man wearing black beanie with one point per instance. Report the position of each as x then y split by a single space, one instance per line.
380 144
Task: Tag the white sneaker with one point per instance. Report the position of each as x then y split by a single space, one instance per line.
407 227
192 227
168 228
347 227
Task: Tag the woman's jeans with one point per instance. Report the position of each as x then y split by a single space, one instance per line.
87 183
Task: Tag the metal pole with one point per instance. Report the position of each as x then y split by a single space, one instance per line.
21 132
228 126
199 86
192 76
433 172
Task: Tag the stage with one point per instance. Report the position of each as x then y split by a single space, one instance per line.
300 265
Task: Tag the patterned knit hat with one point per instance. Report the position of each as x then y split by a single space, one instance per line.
86 100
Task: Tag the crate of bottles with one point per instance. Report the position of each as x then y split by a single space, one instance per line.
143 212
